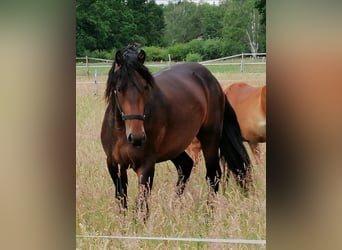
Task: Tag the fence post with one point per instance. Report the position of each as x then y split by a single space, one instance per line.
242 63
169 59
87 66
96 84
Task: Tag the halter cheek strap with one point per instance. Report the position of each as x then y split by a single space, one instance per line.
128 116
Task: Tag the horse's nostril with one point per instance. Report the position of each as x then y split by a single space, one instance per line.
130 138
136 140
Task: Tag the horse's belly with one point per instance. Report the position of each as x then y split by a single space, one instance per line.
174 144
169 152
261 131
254 131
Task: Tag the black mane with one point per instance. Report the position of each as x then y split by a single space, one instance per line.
125 65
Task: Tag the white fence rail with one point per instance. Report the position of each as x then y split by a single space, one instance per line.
242 62
226 241
245 59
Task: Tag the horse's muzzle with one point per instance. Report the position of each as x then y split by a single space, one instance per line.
137 140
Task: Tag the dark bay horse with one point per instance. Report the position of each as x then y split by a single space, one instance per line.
151 119
249 104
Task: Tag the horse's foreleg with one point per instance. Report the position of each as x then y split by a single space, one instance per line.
123 186
145 176
120 182
184 165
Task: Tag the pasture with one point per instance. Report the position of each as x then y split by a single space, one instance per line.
98 213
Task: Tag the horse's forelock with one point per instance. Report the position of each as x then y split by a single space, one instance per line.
127 70
123 73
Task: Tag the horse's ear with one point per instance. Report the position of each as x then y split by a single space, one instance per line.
119 58
141 56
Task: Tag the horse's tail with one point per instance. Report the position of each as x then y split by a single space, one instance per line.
232 149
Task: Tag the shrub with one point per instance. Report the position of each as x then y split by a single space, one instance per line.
196 46
193 57
155 53
212 48
102 54
179 51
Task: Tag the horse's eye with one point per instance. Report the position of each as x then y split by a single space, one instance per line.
118 89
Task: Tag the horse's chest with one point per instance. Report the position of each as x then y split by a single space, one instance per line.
125 153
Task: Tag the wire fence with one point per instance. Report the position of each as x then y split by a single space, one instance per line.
84 64
91 70
209 240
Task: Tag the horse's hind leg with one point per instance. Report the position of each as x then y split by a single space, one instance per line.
184 164
120 181
210 152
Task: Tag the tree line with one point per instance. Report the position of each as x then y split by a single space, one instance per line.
186 30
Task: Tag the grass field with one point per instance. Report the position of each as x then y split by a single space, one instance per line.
98 213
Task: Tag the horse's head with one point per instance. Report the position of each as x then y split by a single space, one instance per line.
128 54
129 89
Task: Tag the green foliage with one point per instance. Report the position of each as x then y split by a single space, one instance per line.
102 25
183 22
177 29
179 51
212 48
108 24
235 25
208 49
154 53
260 5
196 46
149 19
211 20
193 57
100 54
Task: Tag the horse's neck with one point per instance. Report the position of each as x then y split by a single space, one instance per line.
158 102
118 122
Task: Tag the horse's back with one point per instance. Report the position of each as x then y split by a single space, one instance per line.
249 103
186 75
195 102
191 88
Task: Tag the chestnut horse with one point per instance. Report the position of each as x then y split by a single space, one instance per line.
151 119
249 103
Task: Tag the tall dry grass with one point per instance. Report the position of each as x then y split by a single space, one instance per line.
232 215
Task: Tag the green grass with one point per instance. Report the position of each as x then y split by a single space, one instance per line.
97 212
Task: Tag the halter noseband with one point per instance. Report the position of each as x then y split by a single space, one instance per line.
129 116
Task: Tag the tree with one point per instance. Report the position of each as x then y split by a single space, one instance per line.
183 22
102 25
211 20
241 28
252 32
149 20
109 24
260 5
234 26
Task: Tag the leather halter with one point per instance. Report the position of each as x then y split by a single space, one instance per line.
127 116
